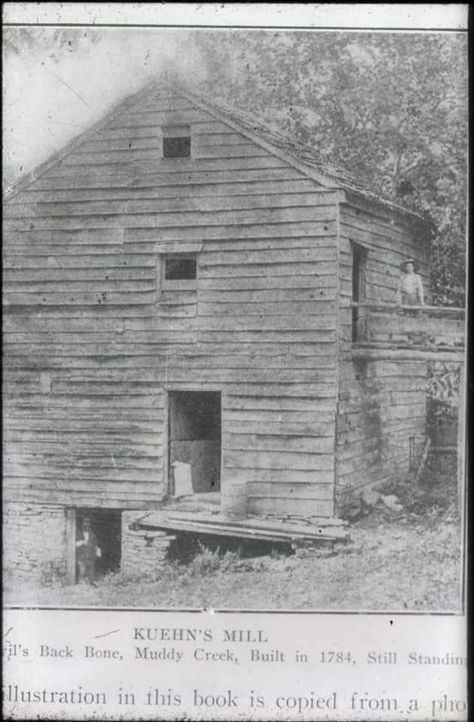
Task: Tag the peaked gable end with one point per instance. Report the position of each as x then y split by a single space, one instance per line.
128 143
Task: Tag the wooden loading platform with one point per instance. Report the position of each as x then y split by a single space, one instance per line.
201 514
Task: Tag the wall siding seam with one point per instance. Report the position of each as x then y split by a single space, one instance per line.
338 350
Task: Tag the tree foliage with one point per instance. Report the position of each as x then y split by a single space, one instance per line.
389 107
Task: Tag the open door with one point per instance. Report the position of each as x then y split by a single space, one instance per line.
106 525
194 437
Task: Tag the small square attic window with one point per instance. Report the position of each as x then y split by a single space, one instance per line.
180 267
177 141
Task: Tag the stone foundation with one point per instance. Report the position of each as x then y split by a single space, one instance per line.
34 541
143 552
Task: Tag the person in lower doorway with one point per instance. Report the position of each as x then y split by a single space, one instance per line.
87 553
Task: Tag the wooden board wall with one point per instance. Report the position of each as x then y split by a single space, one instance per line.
381 404
92 343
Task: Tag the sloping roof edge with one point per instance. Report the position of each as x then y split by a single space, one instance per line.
219 113
74 143
321 176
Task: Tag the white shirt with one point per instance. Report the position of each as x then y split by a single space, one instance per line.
410 290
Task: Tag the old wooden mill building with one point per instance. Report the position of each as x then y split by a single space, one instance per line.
183 284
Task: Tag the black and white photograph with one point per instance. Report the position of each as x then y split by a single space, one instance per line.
234 275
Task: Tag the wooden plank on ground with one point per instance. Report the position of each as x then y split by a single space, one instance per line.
249 528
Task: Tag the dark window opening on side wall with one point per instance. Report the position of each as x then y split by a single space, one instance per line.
177 142
180 267
359 320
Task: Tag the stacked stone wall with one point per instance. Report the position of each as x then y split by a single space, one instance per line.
34 541
143 551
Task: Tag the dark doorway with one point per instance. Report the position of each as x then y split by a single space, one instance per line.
107 527
359 265
194 437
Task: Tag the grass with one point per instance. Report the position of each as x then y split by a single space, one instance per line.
410 561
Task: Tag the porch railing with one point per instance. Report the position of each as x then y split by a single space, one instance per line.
377 325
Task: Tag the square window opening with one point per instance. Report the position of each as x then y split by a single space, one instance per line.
178 267
177 141
179 147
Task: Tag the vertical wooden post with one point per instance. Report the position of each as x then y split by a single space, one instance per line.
71 545
168 410
461 441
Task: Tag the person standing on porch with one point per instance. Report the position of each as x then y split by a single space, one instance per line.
410 286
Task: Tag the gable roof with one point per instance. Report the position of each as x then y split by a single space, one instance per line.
303 157
329 174
285 142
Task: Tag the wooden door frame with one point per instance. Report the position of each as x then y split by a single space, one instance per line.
71 524
170 388
357 313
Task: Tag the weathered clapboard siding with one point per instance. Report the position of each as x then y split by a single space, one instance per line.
381 405
203 202
112 449
213 203
157 192
132 178
87 362
254 192
199 222
283 448
389 242
93 342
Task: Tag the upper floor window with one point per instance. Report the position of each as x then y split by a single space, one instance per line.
177 141
180 267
